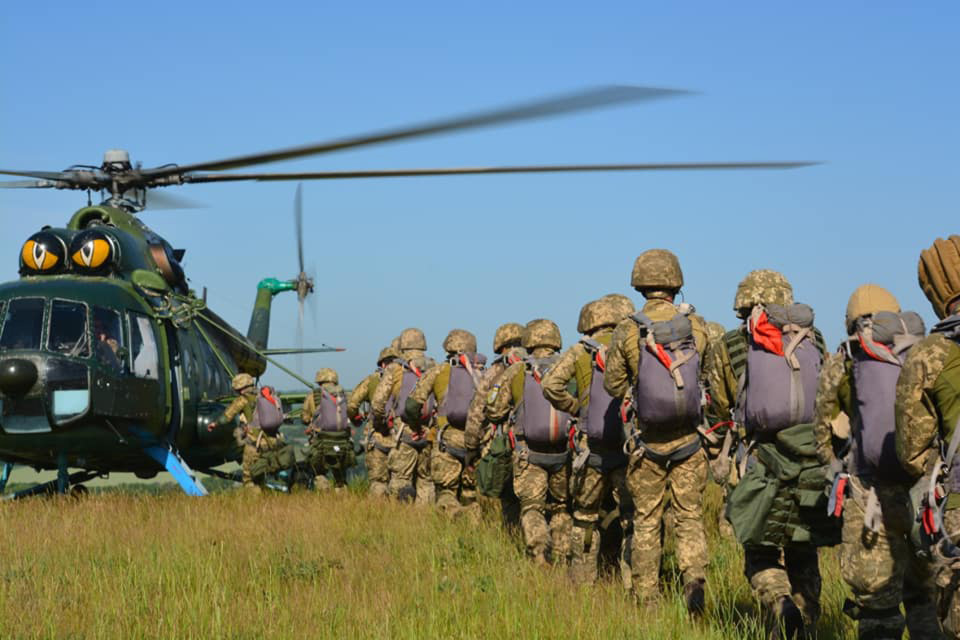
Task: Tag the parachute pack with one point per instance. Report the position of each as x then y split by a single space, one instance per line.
535 419
667 391
411 374
463 377
269 412
330 415
778 387
600 416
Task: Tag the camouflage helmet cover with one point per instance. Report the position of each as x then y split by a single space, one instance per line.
508 334
607 311
387 353
939 274
541 333
413 339
656 269
866 300
762 286
241 381
460 341
327 375
395 344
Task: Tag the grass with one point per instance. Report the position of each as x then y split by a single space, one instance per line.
339 565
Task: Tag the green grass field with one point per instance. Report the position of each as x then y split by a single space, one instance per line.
342 565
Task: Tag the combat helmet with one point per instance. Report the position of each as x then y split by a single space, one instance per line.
395 344
460 341
607 311
327 375
541 333
387 353
412 339
939 274
761 286
241 381
657 269
507 335
866 300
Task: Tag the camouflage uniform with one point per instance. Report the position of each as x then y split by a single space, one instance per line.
786 580
648 481
877 563
379 442
543 491
455 485
602 472
327 451
409 460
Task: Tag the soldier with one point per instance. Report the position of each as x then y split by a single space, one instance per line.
669 455
409 460
858 384
778 507
541 457
478 436
330 448
599 469
451 386
379 440
264 451
927 412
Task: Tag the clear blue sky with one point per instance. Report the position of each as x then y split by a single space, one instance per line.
869 88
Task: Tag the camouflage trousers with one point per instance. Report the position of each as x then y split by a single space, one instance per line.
456 485
792 572
882 569
264 454
648 482
378 449
947 575
590 487
544 518
410 473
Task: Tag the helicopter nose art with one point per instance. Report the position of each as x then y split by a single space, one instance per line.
17 376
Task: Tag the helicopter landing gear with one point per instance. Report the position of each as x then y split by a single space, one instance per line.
5 475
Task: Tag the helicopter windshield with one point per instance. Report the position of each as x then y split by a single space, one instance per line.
23 324
68 328
143 345
108 338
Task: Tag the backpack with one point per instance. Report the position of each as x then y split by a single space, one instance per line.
463 378
268 414
667 391
876 355
411 374
600 416
330 414
495 470
535 419
779 386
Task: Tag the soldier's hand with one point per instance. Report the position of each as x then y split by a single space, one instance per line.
211 426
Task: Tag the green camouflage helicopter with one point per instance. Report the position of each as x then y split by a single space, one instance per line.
110 363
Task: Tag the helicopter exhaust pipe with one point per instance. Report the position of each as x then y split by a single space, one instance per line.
17 377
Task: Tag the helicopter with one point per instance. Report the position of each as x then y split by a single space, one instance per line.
109 362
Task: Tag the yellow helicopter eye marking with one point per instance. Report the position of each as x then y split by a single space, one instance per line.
93 253
36 256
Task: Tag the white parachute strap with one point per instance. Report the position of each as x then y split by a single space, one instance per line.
798 334
879 350
465 361
872 515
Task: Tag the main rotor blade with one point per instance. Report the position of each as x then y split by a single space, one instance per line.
28 184
569 103
45 175
159 200
298 228
284 352
404 173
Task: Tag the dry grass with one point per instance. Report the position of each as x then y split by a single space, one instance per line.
343 566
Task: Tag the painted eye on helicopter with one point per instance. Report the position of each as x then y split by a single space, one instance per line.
43 252
92 250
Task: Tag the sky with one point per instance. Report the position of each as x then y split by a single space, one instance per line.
869 89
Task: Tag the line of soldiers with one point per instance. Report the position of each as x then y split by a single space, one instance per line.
812 448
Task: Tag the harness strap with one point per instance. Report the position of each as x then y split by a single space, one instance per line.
671 458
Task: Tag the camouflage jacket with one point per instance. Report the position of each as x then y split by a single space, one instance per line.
242 406
500 400
720 380
556 384
928 402
389 386
310 402
476 416
834 405
363 392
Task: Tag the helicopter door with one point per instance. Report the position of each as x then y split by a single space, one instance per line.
176 383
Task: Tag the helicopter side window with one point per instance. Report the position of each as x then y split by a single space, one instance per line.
108 338
23 324
67 333
143 343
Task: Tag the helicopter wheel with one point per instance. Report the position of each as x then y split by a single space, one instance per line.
79 491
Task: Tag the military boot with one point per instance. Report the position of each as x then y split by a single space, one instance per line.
788 622
694 597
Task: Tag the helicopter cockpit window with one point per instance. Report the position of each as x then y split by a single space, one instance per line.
68 329
23 324
108 338
143 345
